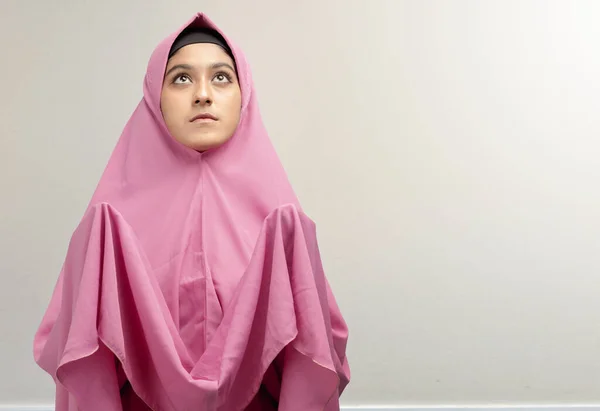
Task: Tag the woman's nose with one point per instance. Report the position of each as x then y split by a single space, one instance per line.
203 95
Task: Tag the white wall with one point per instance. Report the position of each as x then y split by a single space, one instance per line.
447 149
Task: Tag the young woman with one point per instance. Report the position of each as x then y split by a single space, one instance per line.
193 281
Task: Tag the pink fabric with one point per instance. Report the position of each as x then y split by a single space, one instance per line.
193 281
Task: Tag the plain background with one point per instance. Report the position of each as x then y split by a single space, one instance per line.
448 151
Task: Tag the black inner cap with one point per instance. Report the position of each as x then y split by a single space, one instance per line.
193 35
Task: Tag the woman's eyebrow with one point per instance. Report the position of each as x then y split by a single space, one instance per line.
219 65
179 66
213 66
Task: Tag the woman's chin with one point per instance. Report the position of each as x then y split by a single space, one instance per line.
204 142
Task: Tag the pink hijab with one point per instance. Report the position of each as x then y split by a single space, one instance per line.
198 272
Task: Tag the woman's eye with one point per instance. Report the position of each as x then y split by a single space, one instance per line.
181 79
222 78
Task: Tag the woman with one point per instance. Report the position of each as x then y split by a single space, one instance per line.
193 281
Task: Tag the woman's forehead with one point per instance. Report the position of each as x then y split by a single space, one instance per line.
201 56
200 52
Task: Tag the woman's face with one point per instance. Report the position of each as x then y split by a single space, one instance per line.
201 98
